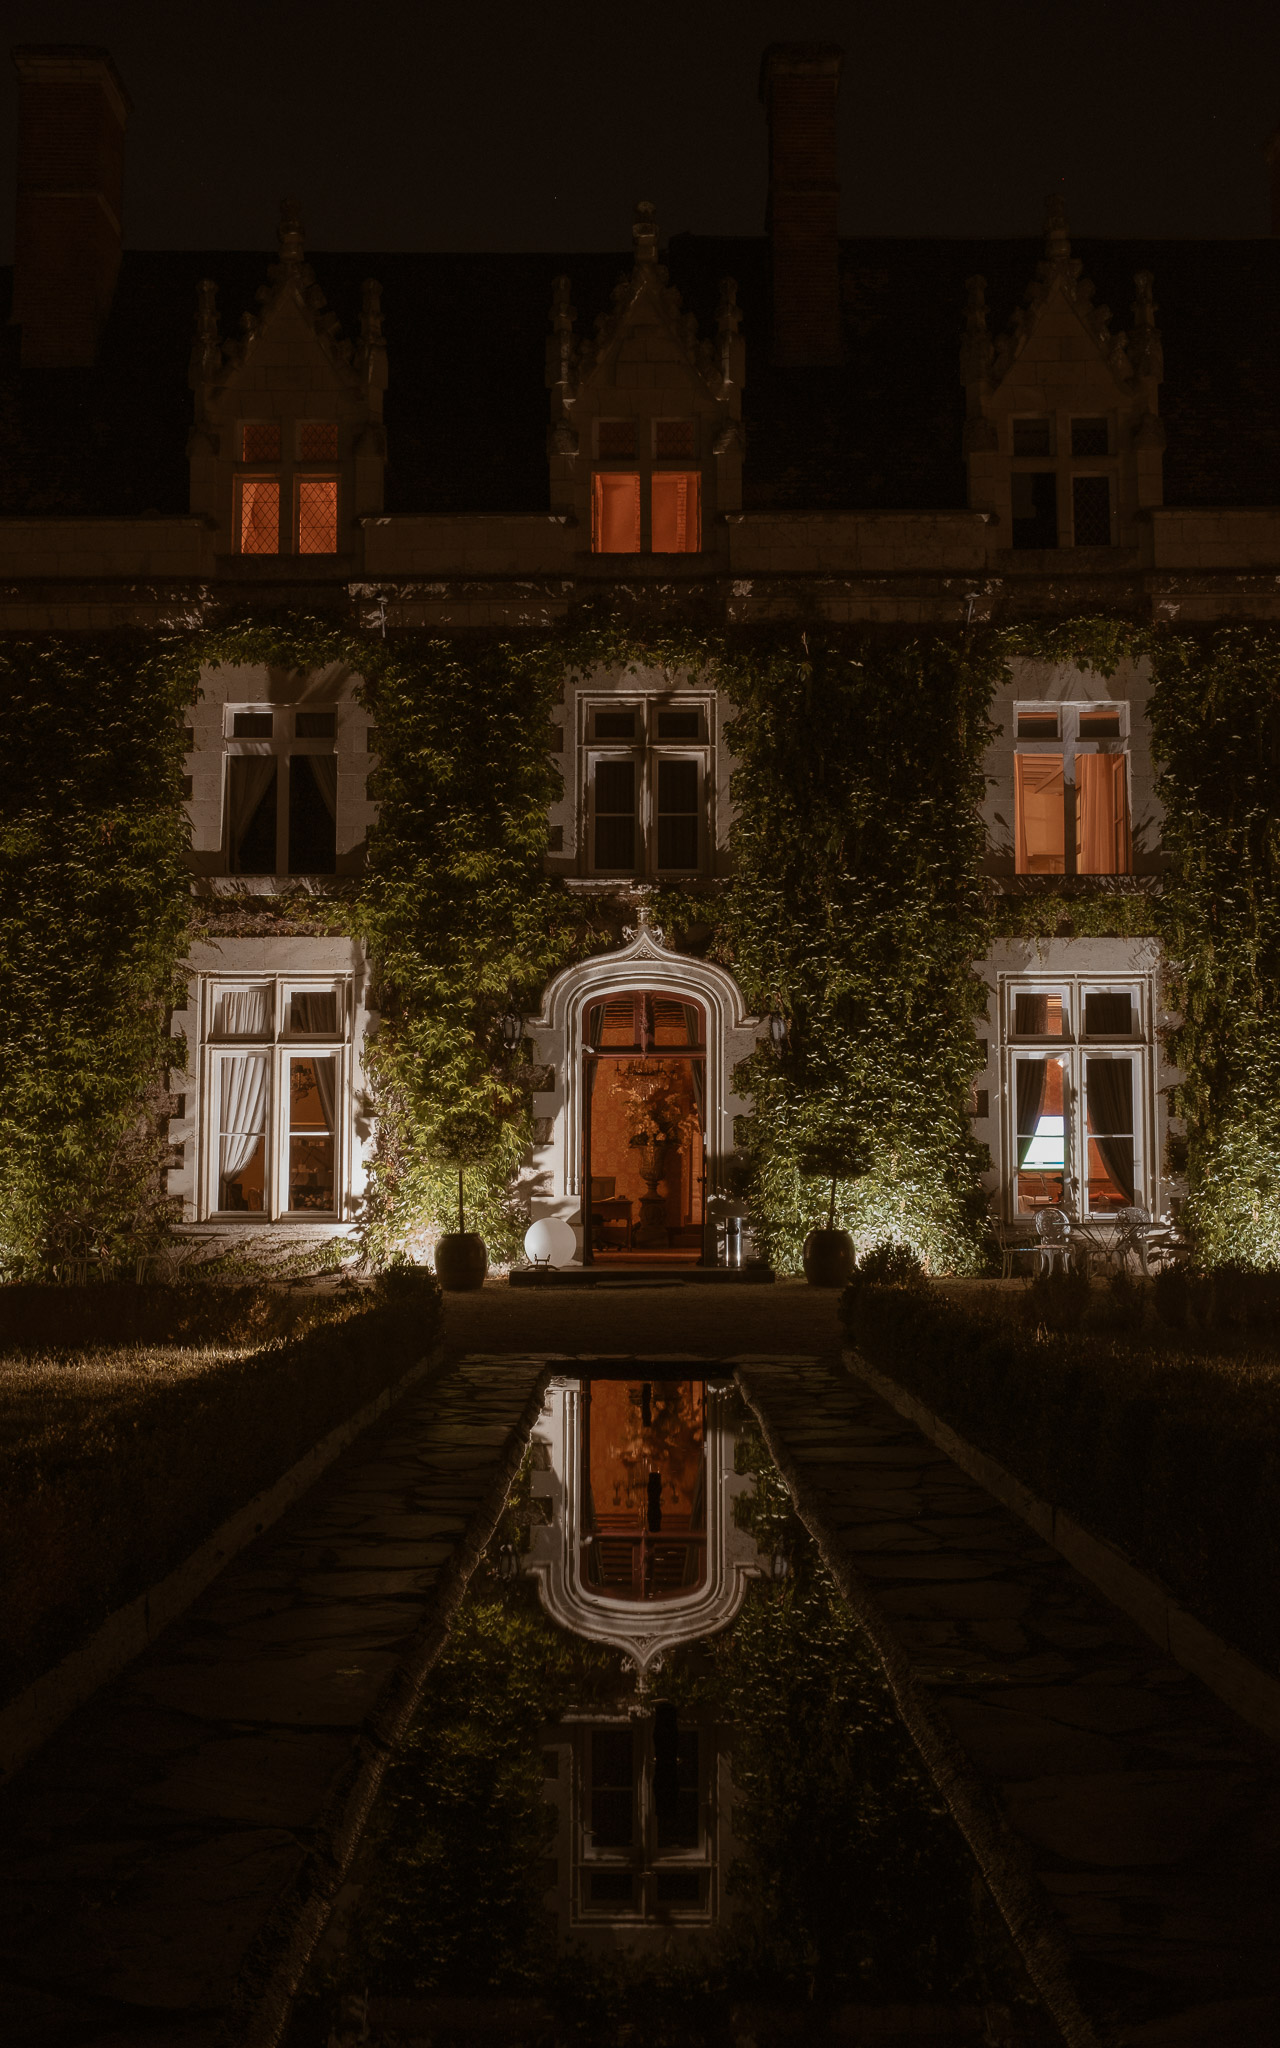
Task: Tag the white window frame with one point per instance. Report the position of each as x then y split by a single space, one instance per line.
644 1860
1074 1047
645 751
279 1044
1067 747
282 746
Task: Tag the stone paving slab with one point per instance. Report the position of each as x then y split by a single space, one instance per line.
1127 1823
167 1856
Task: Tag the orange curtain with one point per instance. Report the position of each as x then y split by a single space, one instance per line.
675 508
1102 815
260 515
615 512
1041 833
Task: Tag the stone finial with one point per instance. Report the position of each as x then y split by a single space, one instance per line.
206 355
560 342
371 335
644 232
975 350
1148 355
290 235
1057 241
562 309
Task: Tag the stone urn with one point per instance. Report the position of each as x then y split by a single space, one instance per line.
651 1233
829 1258
462 1260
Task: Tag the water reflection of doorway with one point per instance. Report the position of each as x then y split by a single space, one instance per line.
643 1130
643 1520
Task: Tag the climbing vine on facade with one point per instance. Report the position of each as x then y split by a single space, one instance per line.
856 908
94 896
1216 727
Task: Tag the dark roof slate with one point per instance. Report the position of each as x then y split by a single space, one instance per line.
466 409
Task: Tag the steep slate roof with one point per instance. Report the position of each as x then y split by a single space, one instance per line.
466 410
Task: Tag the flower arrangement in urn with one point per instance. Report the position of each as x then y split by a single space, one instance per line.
658 1116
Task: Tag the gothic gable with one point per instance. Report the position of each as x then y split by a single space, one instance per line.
1063 439
288 439
646 390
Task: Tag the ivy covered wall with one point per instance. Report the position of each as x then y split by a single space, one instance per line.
93 907
856 907
1216 726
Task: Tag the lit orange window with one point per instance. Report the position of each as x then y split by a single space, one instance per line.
1041 822
260 441
317 515
676 521
258 521
1102 814
615 512
317 441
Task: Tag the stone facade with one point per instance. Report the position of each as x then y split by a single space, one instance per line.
1064 434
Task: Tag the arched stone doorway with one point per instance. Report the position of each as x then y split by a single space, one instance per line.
615 1016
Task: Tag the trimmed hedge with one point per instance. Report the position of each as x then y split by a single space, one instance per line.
1166 1446
116 1463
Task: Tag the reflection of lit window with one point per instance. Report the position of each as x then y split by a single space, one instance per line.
275 1099
1071 791
645 1506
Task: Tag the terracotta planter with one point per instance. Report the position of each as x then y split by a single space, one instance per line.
829 1258
462 1260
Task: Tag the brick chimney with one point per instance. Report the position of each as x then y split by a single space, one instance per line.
798 84
71 121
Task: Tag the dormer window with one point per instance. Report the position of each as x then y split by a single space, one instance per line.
655 507
262 494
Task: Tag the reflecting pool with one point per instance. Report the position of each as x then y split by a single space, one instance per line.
658 1792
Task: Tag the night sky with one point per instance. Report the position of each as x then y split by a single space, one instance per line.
532 126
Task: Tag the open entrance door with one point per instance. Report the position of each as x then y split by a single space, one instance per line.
644 1130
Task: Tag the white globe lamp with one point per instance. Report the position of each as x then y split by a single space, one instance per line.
550 1242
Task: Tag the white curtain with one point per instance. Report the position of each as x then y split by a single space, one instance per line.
242 1013
244 1107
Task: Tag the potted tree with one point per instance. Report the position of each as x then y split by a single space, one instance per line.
462 1257
829 1255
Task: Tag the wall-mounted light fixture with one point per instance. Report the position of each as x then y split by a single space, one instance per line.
512 1024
